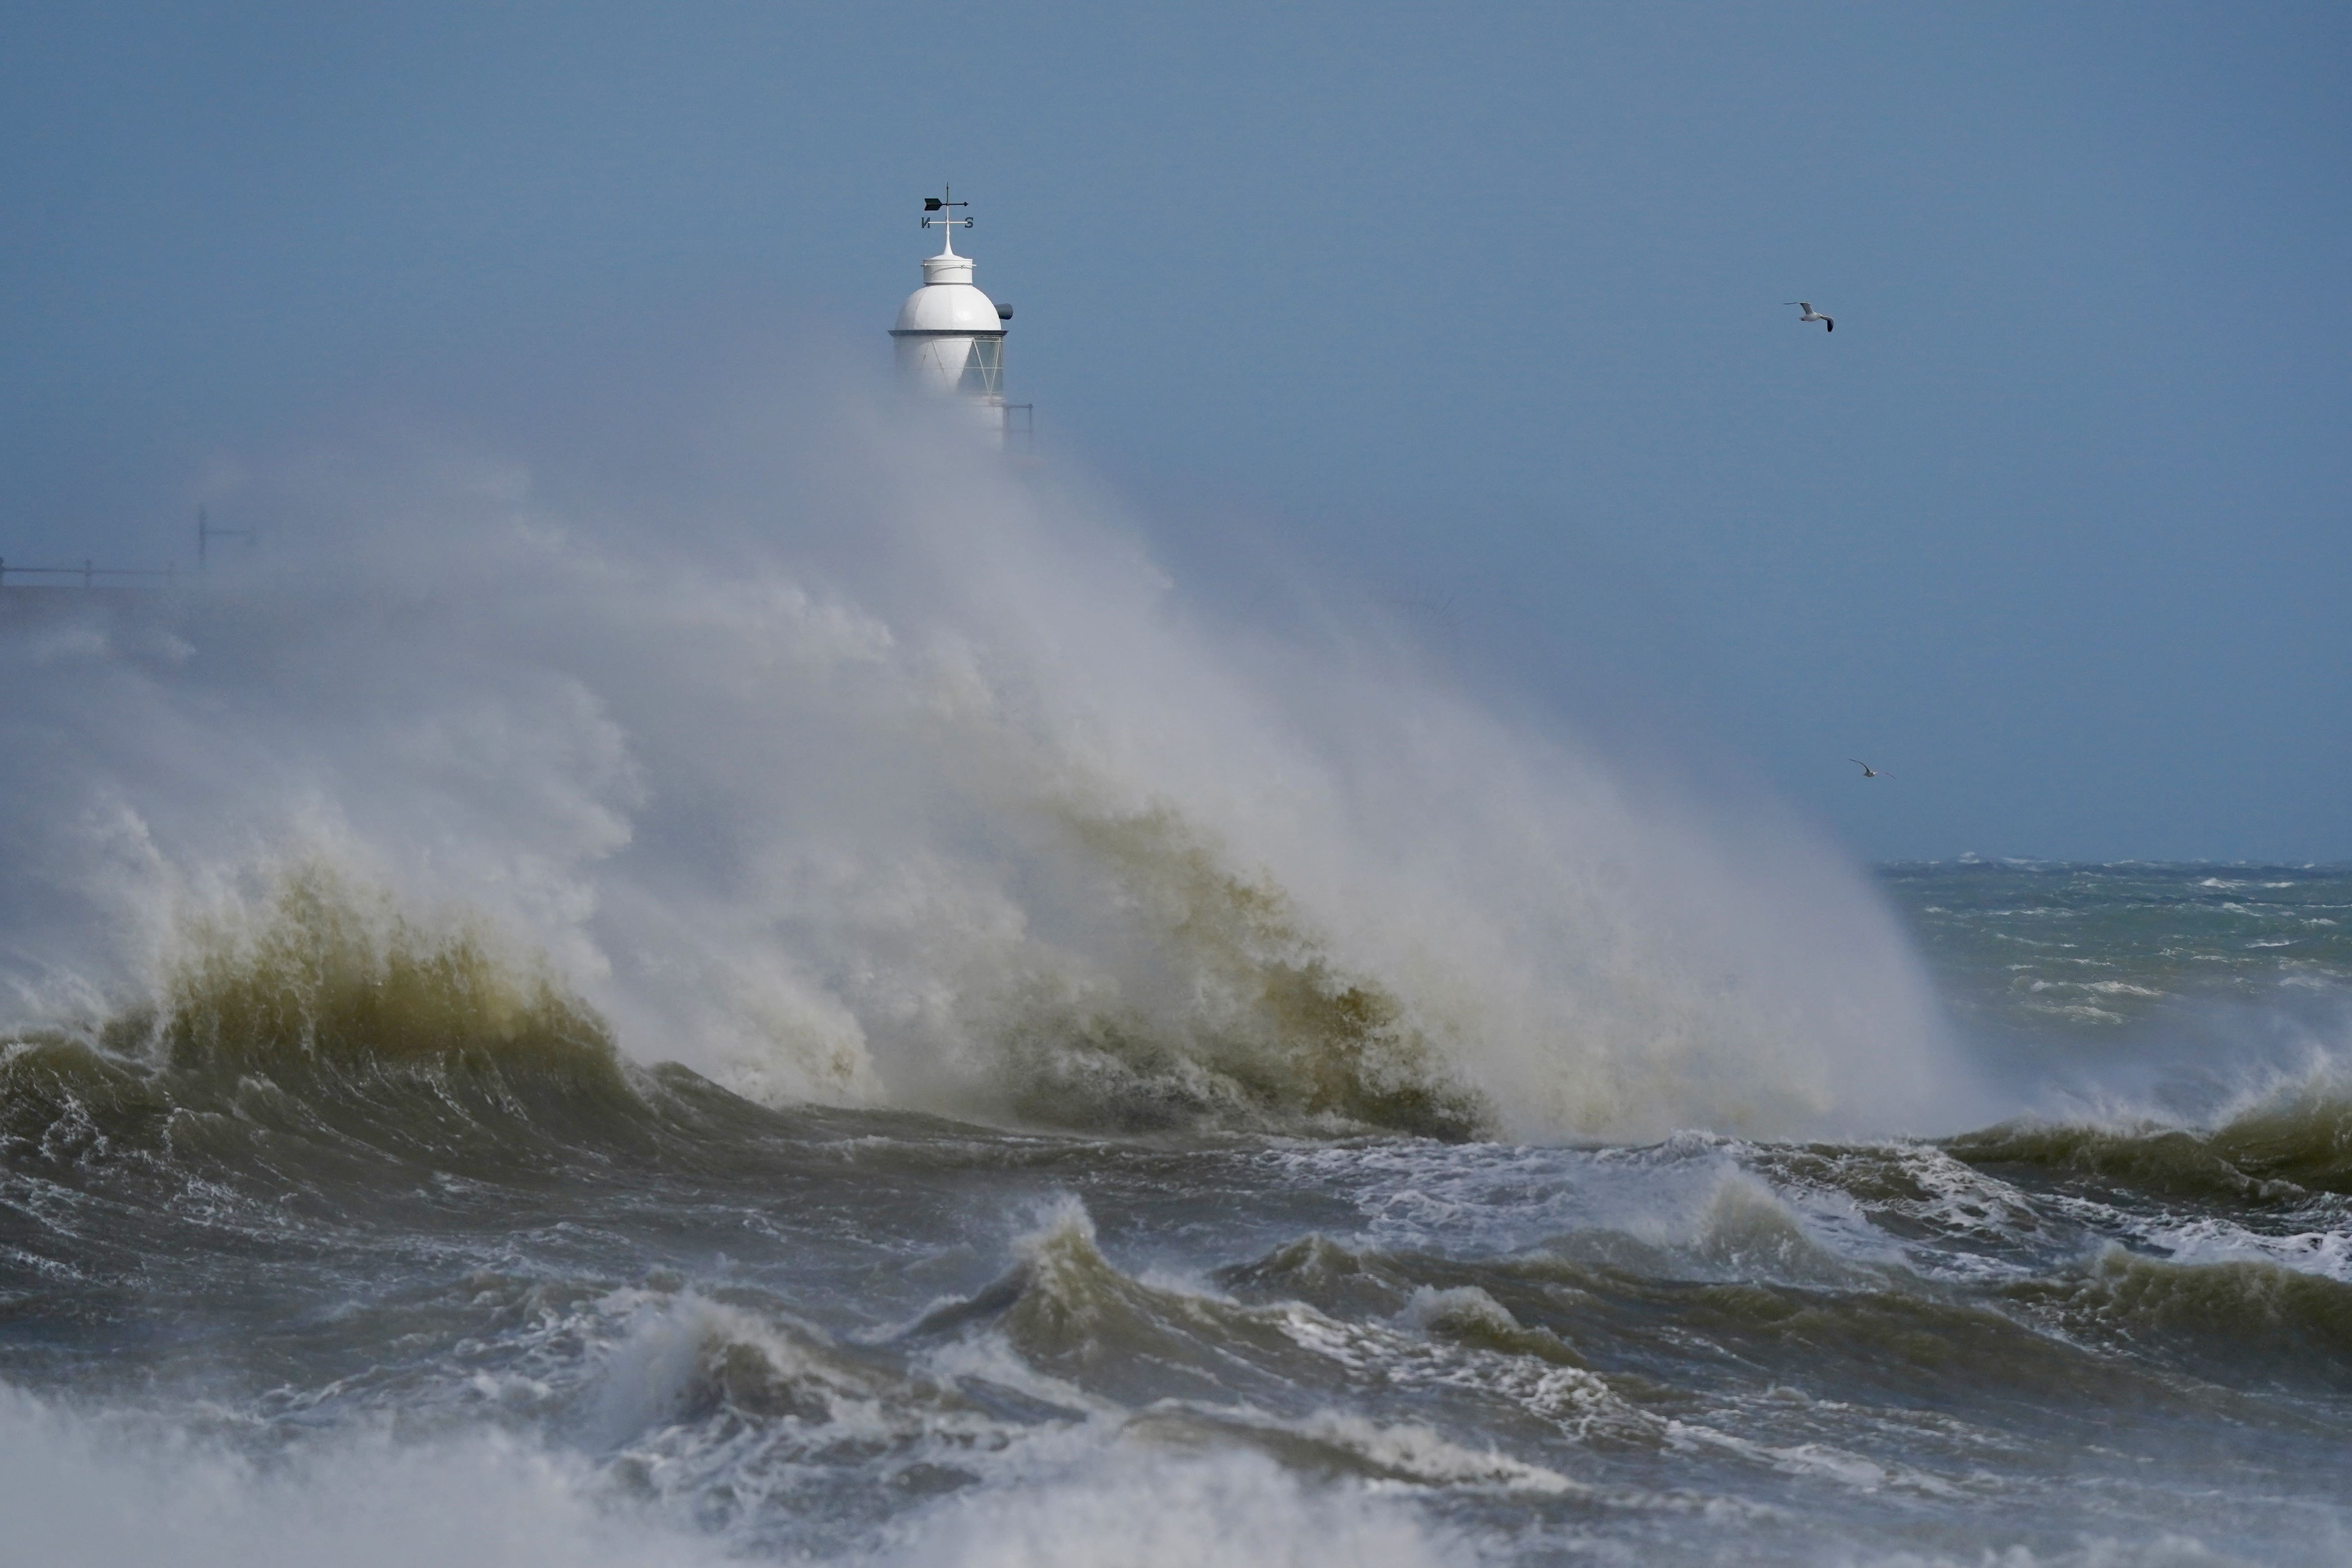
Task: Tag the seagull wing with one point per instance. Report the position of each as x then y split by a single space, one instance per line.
1832 322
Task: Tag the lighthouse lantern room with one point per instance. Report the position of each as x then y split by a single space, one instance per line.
950 336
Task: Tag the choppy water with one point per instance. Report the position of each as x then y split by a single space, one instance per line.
269 1281
1150 1097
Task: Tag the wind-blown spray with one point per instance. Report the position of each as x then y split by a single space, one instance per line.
891 777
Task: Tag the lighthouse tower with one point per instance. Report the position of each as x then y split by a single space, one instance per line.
950 336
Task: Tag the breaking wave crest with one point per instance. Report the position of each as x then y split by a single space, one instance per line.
2275 1146
1271 1032
323 1020
325 990
327 978
2293 1325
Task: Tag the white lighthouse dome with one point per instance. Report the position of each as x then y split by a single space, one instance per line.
948 302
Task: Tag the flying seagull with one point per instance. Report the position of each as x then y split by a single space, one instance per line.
1811 314
1867 771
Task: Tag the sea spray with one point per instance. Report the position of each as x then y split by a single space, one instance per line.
899 782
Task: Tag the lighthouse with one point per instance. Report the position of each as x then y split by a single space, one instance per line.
950 336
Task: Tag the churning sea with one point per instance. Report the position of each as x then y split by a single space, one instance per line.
294 1275
821 1027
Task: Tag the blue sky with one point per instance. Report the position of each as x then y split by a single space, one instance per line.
1480 308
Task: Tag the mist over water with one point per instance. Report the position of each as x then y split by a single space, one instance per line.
806 1001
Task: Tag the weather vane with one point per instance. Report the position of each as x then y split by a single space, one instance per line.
945 209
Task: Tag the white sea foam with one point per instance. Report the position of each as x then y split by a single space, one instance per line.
2323 1252
81 1492
1141 1511
2166 1551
